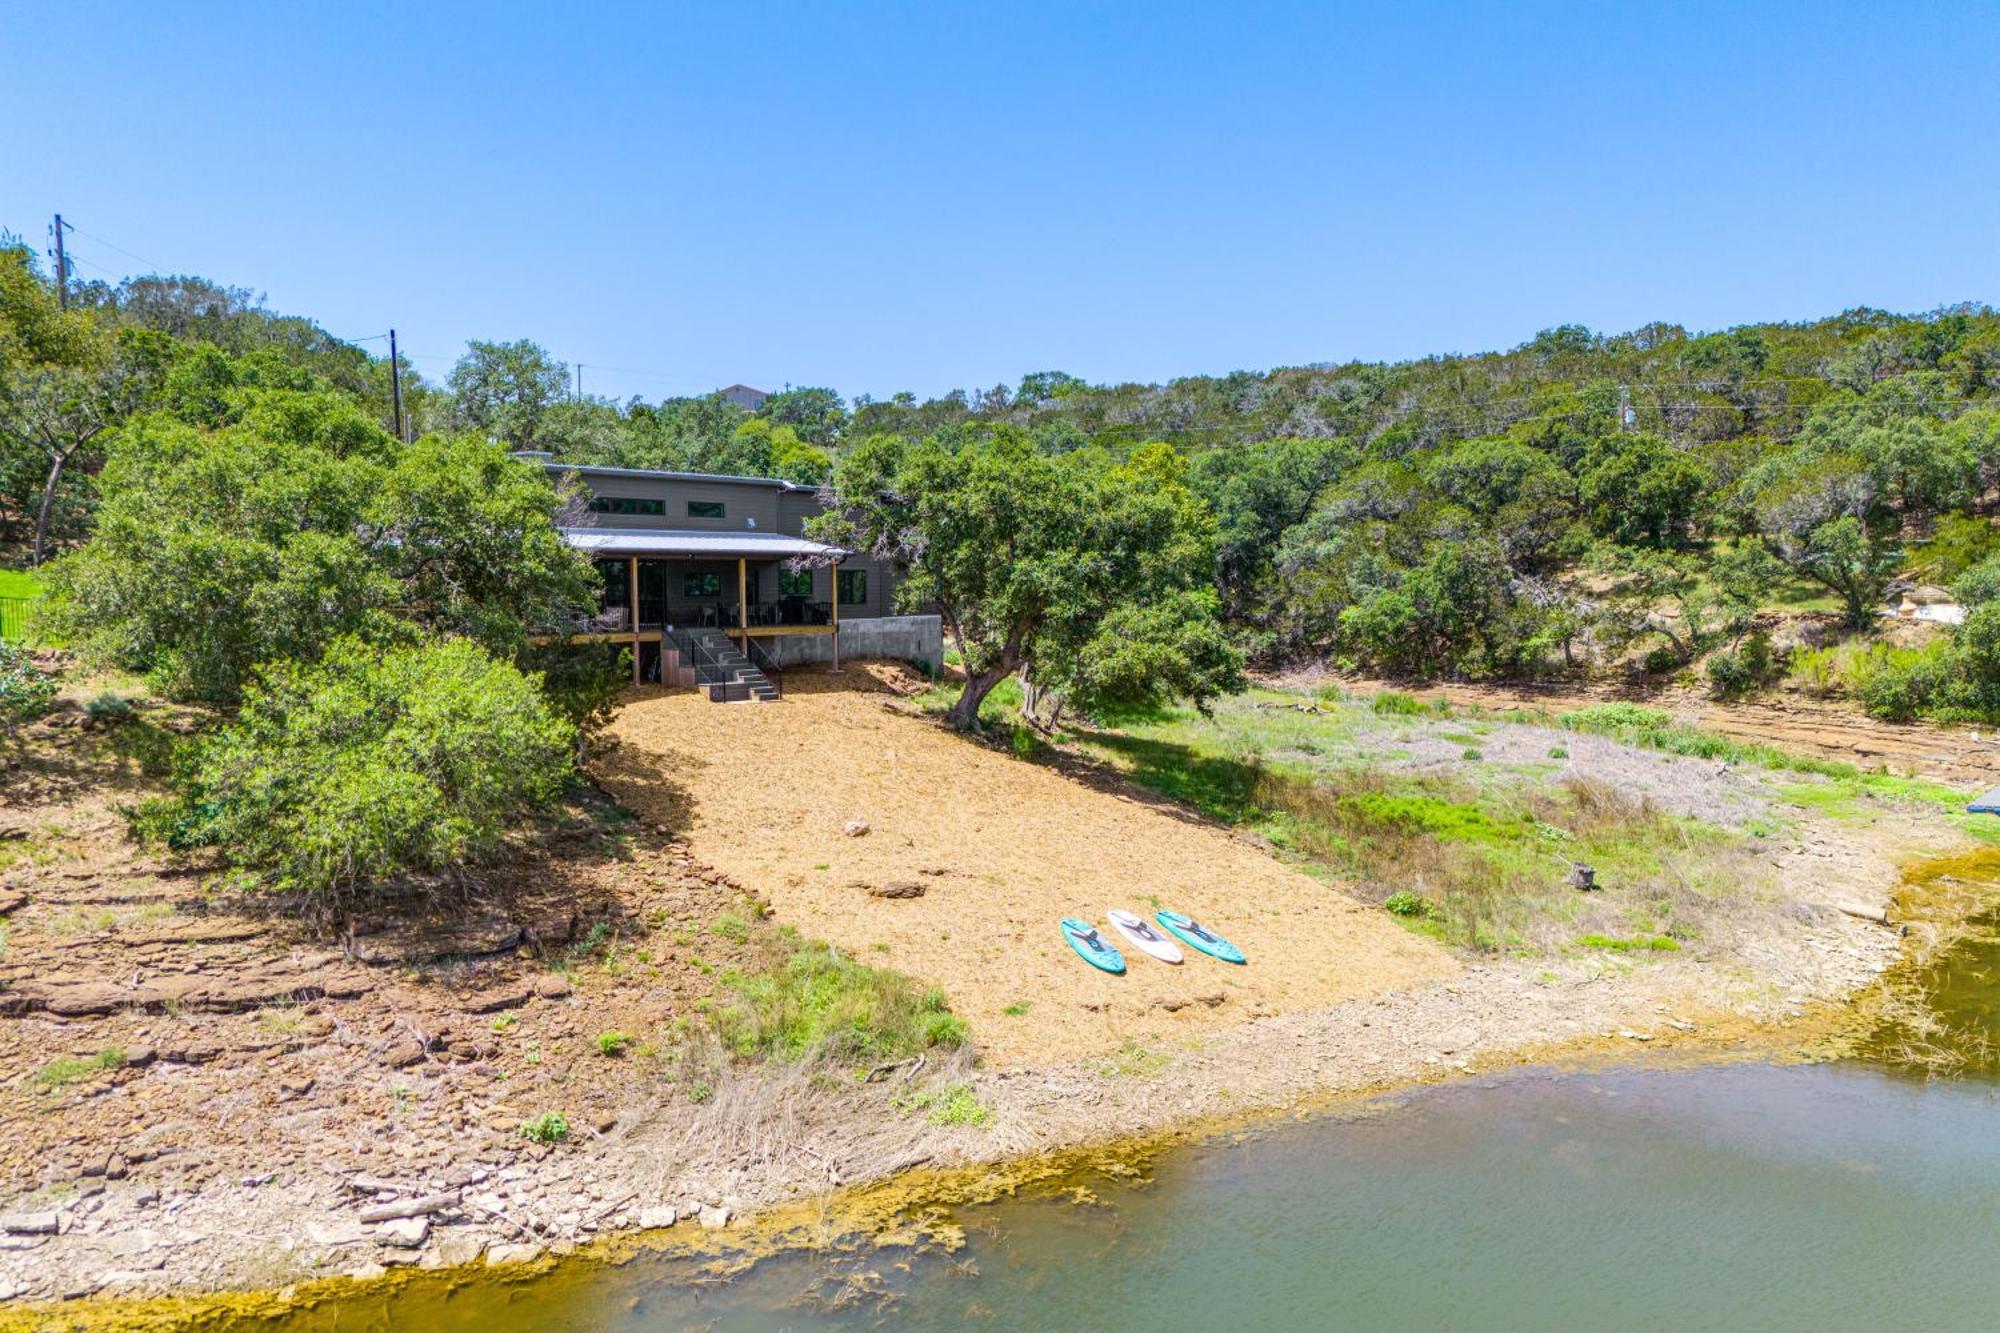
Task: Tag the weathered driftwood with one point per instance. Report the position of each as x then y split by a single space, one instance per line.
422 1207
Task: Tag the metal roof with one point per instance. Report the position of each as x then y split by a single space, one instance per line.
661 541
589 469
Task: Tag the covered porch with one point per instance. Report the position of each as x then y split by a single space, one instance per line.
746 585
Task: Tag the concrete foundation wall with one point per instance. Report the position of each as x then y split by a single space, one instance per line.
914 639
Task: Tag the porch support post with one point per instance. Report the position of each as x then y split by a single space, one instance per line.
743 599
632 603
836 615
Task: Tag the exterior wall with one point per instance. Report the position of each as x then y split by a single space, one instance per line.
794 508
747 505
915 639
774 506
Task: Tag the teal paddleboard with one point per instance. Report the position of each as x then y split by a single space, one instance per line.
1197 936
1090 946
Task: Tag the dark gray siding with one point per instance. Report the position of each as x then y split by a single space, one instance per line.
772 506
746 506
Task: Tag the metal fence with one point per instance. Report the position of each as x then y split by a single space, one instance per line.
16 618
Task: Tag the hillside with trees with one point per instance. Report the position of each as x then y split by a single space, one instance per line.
1660 500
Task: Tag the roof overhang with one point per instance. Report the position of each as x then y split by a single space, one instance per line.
664 543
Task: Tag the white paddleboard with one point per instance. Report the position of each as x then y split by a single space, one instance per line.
1144 935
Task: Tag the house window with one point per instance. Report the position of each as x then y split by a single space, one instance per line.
795 582
701 585
614 574
853 587
705 509
626 504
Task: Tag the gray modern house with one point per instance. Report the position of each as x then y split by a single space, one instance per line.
713 583
744 396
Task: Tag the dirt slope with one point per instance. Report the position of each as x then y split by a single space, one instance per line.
1003 849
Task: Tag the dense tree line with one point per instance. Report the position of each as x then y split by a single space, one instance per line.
1573 500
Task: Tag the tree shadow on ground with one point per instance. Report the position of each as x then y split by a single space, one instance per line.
1168 777
648 784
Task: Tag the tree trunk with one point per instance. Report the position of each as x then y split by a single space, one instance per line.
48 505
964 714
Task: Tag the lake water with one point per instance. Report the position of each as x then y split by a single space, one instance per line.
1827 1197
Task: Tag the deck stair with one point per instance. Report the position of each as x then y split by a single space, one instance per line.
710 661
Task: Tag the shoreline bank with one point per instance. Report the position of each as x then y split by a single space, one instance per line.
1046 1123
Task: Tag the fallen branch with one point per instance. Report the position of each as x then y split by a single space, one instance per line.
429 1203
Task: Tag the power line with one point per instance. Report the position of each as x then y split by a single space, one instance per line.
152 264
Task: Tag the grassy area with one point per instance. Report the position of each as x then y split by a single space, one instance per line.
18 587
19 583
65 1070
1463 825
800 999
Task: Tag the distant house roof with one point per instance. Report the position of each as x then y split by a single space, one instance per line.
729 545
744 396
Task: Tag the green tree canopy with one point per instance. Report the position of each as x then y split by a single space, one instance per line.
506 390
298 522
1080 572
370 762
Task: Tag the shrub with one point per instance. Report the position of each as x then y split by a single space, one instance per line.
953 1104
110 707
1558 752
612 1043
1979 584
26 691
1394 703
370 763
1817 671
549 1127
1659 661
1404 903
1734 674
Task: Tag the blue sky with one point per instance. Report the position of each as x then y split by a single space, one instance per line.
926 196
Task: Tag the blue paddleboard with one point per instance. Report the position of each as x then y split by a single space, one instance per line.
1197 936
1091 946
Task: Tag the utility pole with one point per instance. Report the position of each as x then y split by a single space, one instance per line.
396 386
579 381
62 266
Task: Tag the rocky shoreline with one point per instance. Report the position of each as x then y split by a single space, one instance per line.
203 1098
711 1177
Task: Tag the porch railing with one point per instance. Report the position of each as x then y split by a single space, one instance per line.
764 662
708 667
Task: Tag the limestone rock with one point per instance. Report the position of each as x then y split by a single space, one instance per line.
405 1233
715 1218
335 1233
458 1248
512 1254
31 1224
855 828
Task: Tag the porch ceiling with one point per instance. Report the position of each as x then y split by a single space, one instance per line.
712 545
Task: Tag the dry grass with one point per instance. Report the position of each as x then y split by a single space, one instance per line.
1004 849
